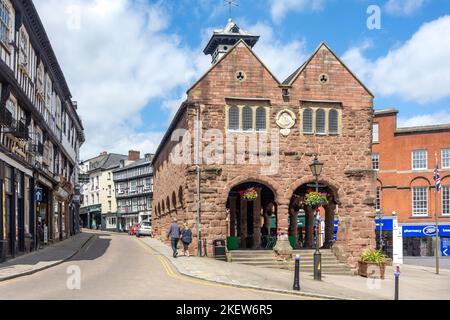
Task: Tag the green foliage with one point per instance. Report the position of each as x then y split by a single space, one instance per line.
250 194
373 256
315 199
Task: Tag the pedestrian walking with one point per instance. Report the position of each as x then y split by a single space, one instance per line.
186 238
174 233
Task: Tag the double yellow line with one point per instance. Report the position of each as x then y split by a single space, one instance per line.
171 273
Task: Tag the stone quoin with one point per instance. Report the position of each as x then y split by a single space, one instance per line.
322 108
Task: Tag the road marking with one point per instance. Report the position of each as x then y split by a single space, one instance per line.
171 273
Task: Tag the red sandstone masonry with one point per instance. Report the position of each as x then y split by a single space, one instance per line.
347 157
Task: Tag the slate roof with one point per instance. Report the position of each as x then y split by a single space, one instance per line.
105 162
138 163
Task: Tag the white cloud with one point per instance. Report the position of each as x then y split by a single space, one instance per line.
282 58
441 117
117 56
418 70
279 8
403 7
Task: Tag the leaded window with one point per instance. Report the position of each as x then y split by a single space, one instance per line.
378 199
4 22
375 161
233 118
307 121
320 121
333 123
247 119
261 119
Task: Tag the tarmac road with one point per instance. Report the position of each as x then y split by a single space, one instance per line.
115 266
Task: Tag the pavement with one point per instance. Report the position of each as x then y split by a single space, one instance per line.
444 262
416 282
47 257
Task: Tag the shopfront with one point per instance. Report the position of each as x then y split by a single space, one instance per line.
420 240
385 242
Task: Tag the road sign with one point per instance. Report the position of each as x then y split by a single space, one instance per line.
39 194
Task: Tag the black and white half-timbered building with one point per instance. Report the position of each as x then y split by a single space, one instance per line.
40 137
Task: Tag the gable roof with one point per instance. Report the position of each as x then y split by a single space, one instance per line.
291 79
105 162
226 55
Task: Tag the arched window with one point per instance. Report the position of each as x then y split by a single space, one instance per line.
233 118
307 121
333 122
247 119
320 121
261 119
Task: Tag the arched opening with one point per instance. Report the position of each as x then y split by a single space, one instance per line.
252 217
303 223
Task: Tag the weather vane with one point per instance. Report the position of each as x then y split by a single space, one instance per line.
230 4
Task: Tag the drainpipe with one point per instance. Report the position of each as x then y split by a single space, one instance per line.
199 224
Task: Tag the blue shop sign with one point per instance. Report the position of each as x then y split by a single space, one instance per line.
386 224
335 229
425 231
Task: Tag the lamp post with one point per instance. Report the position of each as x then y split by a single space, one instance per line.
380 221
316 170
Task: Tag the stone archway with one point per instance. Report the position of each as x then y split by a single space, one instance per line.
302 222
251 223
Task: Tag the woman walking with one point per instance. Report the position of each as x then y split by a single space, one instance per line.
186 238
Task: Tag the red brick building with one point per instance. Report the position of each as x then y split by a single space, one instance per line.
405 161
322 108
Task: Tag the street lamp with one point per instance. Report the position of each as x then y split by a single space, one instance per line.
316 170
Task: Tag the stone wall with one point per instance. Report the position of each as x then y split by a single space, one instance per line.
346 156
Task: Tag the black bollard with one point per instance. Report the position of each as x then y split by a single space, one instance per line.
297 273
397 276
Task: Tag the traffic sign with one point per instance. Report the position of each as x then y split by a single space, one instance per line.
39 194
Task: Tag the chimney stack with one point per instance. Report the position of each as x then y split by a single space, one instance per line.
134 155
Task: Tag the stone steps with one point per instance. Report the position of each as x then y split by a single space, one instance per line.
267 259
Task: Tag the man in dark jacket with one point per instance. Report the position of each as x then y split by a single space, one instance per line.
174 233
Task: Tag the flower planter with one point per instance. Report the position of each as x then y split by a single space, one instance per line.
371 269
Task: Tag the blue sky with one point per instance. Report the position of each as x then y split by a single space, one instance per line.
129 63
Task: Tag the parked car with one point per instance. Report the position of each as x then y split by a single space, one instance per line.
133 230
144 229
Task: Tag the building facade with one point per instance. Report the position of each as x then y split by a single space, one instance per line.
321 109
97 192
40 137
405 159
134 193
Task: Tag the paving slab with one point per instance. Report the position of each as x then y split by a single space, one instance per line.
45 258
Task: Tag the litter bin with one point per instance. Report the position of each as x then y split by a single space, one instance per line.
219 250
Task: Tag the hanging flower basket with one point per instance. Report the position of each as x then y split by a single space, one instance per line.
315 199
249 194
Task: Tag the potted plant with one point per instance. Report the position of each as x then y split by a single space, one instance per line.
250 194
315 199
372 262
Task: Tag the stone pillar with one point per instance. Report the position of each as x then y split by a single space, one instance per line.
243 220
293 228
233 202
309 221
329 224
257 221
